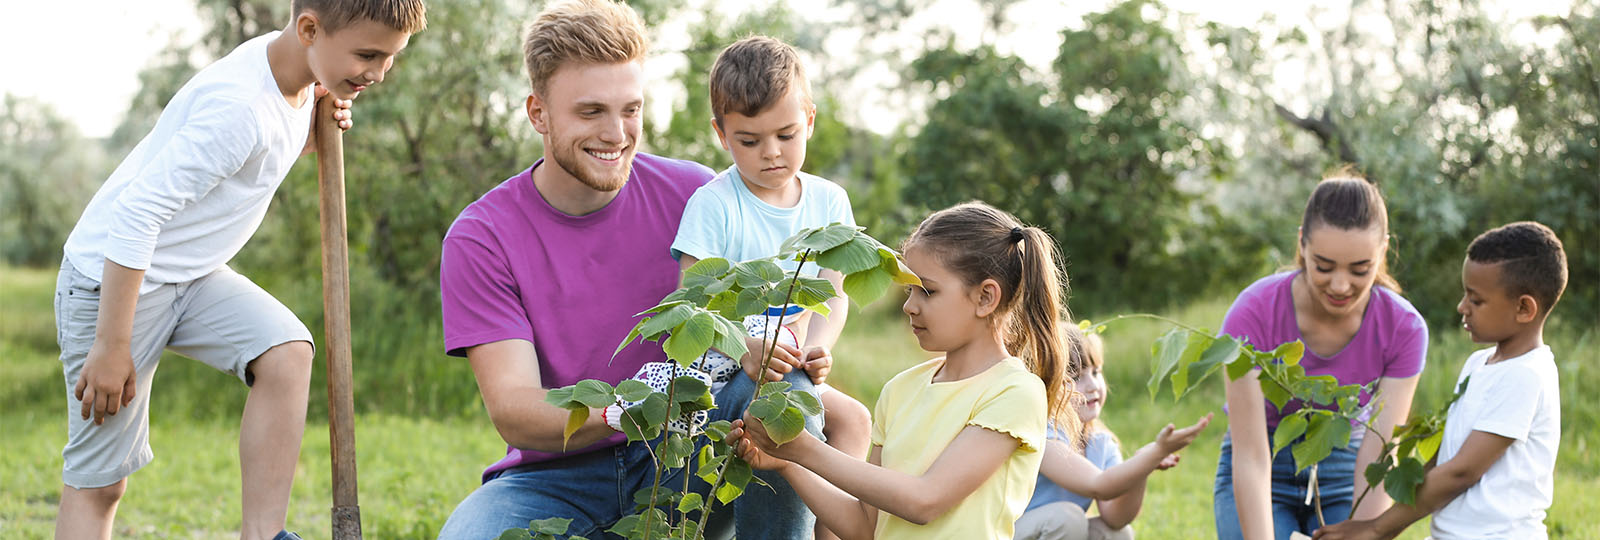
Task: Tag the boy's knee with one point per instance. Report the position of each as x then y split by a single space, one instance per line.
285 363
101 497
846 412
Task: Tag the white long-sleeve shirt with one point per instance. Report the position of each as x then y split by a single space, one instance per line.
196 188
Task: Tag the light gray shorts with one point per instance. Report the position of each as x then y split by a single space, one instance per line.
222 319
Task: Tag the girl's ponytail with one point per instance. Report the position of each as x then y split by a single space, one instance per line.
977 242
1036 326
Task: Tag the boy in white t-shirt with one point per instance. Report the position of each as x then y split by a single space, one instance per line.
763 114
1496 465
145 268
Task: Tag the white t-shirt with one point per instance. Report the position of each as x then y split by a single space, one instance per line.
196 188
1517 398
724 219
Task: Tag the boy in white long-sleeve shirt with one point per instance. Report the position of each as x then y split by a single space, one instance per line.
145 268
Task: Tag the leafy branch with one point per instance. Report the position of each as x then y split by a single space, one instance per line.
1323 411
706 313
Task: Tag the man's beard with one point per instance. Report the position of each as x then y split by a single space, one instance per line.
570 158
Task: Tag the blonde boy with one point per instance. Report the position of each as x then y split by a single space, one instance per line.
763 114
1495 472
145 268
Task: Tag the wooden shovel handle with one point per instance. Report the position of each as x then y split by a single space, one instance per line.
336 314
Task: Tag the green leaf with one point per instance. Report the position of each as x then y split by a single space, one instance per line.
1429 446
1192 350
826 238
515 534
675 450
1326 433
806 402
575 419
768 408
734 479
690 503
866 286
549 526
860 253
631 390
757 273
897 269
1164 356
774 387
788 250
653 411
593 393
787 426
1240 366
687 389
1289 428
1274 393
1378 469
705 272
1402 481
809 291
730 338
653 327
751 302
1290 352
1221 350
725 303
691 340
559 397
718 430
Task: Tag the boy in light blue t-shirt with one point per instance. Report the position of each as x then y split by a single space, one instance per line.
763 114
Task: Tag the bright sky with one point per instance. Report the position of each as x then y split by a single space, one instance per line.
88 68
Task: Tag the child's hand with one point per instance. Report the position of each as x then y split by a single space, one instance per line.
1171 440
1168 462
341 112
818 363
107 382
785 358
1350 530
746 448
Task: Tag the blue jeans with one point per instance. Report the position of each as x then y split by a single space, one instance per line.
595 489
1335 480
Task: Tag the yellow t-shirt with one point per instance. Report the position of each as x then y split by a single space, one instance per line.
916 419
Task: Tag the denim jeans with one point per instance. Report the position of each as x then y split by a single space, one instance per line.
1335 480
595 489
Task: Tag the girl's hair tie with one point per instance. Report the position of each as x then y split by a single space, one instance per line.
1016 234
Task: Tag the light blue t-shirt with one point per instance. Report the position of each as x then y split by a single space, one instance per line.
1102 451
724 219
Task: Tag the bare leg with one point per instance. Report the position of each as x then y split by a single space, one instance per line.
88 513
848 427
269 436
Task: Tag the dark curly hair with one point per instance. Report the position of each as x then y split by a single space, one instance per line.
1531 260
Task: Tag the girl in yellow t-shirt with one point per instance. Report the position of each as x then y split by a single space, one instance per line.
957 440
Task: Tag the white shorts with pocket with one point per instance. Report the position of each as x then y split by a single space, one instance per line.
222 319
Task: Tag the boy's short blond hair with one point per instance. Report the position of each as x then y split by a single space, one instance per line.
753 74
408 16
584 31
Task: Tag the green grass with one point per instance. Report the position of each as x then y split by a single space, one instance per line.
422 437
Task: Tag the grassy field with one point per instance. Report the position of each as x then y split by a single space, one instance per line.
422 436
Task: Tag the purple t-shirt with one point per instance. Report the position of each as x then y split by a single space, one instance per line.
514 267
1392 340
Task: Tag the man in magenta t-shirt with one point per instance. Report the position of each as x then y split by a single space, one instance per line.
543 276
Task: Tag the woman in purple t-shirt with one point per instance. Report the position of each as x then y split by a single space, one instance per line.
1342 303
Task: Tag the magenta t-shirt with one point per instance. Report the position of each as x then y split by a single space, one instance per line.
514 267
1392 340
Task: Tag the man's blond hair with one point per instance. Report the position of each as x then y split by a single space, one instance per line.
583 31
408 16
